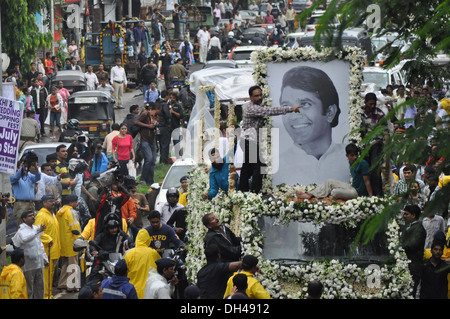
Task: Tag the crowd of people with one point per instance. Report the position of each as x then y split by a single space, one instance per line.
70 200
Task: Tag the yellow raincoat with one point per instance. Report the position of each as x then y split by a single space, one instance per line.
12 283
254 290
139 260
66 225
51 234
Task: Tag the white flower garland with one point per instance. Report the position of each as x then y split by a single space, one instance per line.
240 211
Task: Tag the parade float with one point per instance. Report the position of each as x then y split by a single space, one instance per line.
296 240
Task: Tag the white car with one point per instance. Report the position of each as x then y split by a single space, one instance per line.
42 150
313 21
383 77
178 169
242 55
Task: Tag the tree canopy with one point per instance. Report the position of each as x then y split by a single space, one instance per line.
20 33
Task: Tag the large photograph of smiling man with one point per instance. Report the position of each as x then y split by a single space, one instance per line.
311 146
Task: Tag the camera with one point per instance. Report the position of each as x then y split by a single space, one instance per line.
111 176
81 137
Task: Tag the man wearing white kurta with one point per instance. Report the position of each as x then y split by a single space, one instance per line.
203 39
28 238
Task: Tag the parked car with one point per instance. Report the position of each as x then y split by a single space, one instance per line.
242 55
300 5
382 77
248 15
313 21
41 150
249 34
358 37
178 169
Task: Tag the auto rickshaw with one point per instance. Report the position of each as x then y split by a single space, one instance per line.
73 81
94 111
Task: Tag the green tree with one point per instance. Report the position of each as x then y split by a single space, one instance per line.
425 25
20 33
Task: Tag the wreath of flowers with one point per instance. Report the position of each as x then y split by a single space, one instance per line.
121 34
241 211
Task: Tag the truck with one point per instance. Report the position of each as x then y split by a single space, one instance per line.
109 44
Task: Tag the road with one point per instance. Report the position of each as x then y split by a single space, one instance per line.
129 98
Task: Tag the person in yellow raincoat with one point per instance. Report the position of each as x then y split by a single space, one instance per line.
139 260
69 231
254 289
50 239
12 280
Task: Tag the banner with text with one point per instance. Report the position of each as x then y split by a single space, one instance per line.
11 113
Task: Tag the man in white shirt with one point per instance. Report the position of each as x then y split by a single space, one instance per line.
203 39
253 6
105 87
91 78
118 80
158 286
28 238
46 179
215 47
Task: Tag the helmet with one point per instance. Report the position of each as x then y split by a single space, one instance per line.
112 223
129 182
77 165
73 124
172 196
231 34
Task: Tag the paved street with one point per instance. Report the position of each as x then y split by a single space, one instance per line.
130 98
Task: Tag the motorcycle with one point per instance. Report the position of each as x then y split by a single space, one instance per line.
176 85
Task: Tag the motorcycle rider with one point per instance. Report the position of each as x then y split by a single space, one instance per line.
177 72
71 133
113 240
166 209
161 236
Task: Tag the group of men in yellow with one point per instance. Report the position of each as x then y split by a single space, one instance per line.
57 233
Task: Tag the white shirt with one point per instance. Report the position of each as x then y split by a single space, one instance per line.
215 42
203 37
295 166
29 239
157 286
107 88
118 75
45 180
166 211
237 17
91 80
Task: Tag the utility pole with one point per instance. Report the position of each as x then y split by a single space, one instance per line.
52 24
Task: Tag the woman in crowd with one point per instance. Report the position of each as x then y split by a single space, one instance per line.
122 149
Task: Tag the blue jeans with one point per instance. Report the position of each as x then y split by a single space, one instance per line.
55 118
148 169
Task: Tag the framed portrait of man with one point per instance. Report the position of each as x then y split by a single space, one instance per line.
311 146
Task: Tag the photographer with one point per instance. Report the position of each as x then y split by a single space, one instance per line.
147 121
72 134
108 203
23 185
